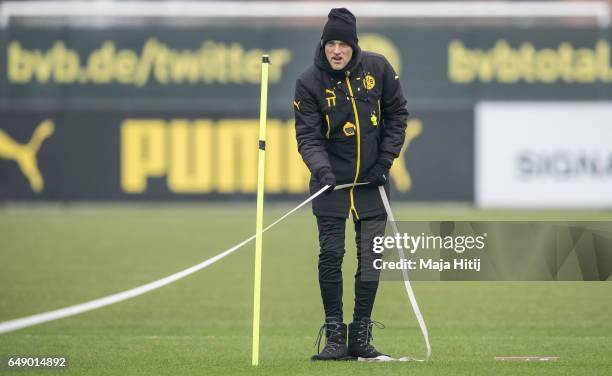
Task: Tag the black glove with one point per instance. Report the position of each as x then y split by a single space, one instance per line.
326 177
379 173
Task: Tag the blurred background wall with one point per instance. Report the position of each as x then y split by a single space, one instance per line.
510 102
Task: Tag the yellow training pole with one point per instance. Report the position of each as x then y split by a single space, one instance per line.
265 61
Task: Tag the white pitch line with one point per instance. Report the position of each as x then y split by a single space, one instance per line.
527 358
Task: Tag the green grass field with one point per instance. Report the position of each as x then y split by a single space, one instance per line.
53 257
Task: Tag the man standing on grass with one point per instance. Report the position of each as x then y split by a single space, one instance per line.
350 120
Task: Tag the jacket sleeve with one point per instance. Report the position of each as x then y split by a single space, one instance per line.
394 114
308 131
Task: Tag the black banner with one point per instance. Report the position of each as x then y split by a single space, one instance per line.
218 67
147 156
157 114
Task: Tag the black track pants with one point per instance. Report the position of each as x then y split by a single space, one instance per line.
331 242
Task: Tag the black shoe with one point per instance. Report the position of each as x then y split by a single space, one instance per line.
359 337
335 345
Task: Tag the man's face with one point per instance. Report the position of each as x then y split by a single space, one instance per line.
338 53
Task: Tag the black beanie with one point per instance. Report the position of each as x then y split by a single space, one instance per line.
341 25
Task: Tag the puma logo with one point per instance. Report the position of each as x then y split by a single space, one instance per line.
25 154
331 100
399 171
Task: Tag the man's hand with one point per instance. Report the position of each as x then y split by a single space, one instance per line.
327 177
379 173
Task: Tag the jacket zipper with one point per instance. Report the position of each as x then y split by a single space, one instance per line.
351 193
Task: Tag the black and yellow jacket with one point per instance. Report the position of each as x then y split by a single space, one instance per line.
346 120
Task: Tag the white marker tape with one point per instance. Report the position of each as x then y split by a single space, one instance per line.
24 322
407 285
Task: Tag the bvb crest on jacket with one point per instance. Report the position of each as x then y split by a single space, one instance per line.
369 82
